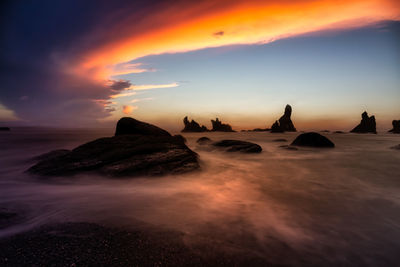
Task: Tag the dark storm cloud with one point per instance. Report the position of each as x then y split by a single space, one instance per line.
39 40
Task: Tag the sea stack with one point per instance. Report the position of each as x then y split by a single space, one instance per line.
193 126
367 124
284 124
218 126
396 127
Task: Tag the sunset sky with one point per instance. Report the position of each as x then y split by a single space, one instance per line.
88 63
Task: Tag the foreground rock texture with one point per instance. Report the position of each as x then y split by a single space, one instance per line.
238 146
193 126
218 126
367 124
138 148
396 127
312 139
284 124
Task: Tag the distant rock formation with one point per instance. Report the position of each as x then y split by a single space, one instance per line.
131 126
4 128
239 146
258 130
218 126
396 126
137 149
203 140
367 124
284 124
193 126
312 139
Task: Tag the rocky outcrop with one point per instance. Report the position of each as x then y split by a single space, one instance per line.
129 126
238 146
284 124
193 126
396 126
218 126
147 150
203 140
367 124
312 139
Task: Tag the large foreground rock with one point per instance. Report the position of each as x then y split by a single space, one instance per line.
396 126
284 124
312 139
124 154
128 125
218 126
238 146
367 124
193 126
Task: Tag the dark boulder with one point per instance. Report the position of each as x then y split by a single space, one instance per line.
218 126
239 146
396 126
312 139
128 125
124 155
284 124
4 128
193 126
367 124
203 140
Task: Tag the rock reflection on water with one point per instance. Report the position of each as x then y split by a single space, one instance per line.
340 205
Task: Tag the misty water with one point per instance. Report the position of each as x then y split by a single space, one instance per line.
338 205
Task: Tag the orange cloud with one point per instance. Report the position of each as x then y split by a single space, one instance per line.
185 28
152 86
128 109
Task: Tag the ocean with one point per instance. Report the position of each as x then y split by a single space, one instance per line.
334 207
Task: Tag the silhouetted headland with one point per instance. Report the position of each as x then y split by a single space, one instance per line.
284 124
193 126
138 148
396 127
367 124
312 139
218 126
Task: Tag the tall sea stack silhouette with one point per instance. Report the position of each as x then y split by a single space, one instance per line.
193 126
396 127
284 124
218 126
367 124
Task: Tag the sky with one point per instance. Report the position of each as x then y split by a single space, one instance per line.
88 63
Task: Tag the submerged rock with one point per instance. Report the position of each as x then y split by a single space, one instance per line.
284 124
338 132
279 140
193 126
367 124
203 140
289 147
128 125
218 126
396 147
154 153
312 139
396 127
238 146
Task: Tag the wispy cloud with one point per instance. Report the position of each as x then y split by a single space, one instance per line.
130 68
141 99
122 95
152 86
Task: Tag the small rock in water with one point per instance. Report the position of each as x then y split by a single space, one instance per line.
289 147
312 139
239 146
203 140
279 140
